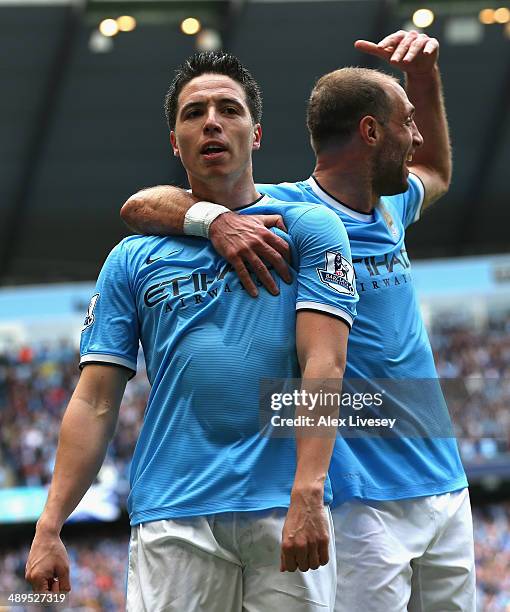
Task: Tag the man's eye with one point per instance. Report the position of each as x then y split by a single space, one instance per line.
409 121
230 110
192 113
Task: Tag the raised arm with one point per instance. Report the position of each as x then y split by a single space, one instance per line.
417 56
321 342
87 428
244 241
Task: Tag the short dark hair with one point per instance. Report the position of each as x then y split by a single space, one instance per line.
215 62
340 99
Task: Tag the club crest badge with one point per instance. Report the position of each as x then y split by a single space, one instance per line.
89 318
338 273
389 220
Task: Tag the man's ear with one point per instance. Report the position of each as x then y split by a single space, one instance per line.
173 142
257 136
370 130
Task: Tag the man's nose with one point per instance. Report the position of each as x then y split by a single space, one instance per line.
417 137
212 123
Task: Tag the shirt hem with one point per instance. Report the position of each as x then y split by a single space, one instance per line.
378 494
160 514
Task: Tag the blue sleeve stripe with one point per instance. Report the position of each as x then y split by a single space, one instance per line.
111 359
337 312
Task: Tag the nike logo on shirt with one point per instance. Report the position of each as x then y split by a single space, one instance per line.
148 261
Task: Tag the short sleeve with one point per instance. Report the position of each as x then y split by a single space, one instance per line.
110 330
326 279
410 202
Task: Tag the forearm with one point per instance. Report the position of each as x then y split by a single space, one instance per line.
314 444
426 93
84 436
159 210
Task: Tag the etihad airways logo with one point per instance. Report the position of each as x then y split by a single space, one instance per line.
196 286
390 270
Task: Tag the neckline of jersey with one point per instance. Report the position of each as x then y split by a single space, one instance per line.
260 200
332 201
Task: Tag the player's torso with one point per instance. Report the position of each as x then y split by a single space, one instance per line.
388 339
206 341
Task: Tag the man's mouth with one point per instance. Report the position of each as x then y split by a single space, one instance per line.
212 151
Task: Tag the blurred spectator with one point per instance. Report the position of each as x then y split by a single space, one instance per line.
492 556
35 386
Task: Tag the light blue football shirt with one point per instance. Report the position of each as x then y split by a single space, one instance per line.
388 341
207 344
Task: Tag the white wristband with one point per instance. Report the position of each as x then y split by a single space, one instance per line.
199 217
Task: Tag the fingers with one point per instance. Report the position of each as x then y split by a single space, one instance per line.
244 276
64 582
301 555
273 221
314 558
279 245
413 49
277 255
431 46
304 556
288 561
40 585
270 238
258 267
403 46
418 45
246 243
392 40
323 551
371 48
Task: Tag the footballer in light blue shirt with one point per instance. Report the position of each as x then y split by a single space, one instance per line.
213 498
207 346
388 342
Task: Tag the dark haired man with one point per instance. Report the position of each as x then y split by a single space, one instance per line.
402 519
209 490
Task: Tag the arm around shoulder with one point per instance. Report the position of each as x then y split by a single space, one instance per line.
157 210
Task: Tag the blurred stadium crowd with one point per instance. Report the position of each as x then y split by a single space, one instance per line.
478 361
35 387
36 384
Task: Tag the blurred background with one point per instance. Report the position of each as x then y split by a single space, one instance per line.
82 128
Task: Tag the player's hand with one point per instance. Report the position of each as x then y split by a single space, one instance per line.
413 53
47 561
305 536
245 240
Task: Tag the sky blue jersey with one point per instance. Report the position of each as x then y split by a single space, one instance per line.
207 345
388 341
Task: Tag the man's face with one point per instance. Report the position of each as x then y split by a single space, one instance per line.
214 132
401 139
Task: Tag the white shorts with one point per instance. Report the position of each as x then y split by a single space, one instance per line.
411 554
222 563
